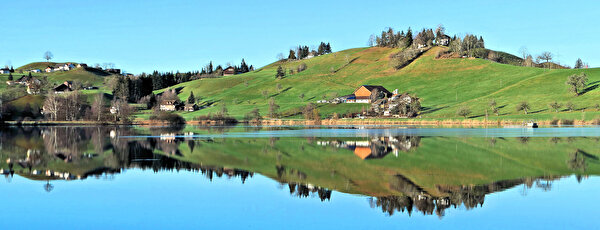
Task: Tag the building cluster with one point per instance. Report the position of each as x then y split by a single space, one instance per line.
175 105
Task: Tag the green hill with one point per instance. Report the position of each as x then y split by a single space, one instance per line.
443 85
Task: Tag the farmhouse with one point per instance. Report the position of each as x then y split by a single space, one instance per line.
5 71
168 105
229 71
35 70
444 40
364 93
49 69
82 65
64 87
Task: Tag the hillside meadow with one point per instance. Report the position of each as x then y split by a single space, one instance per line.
444 85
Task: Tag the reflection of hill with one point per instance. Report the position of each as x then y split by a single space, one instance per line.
402 173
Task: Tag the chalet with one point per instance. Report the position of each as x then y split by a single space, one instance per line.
310 55
168 105
444 40
363 93
82 65
64 87
34 88
49 69
5 71
190 107
35 70
229 71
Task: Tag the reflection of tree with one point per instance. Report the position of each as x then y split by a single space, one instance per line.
576 161
305 190
48 187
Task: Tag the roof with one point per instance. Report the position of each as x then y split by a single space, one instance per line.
62 87
378 87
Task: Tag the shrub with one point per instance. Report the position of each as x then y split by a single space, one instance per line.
171 118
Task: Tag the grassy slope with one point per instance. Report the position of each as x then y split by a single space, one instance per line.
438 161
443 84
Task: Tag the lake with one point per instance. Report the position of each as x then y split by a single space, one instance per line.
290 177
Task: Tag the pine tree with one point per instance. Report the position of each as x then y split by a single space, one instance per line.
191 99
243 67
328 48
578 64
280 73
321 49
292 55
409 37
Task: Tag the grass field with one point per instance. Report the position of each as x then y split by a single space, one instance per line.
444 85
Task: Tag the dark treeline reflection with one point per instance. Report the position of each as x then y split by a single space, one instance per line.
70 153
378 166
470 197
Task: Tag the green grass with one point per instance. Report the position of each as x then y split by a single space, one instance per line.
443 85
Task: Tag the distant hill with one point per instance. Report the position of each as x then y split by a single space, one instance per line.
41 65
443 85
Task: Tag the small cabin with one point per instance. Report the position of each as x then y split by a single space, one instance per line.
190 107
444 40
168 105
229 71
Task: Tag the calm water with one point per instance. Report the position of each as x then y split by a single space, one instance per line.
298 178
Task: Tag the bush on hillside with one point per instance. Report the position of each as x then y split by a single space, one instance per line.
171 118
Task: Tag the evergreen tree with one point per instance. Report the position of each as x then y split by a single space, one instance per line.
292 55
409 37
280 73
10 77
191 99
244 67
578 64
328 48
209 68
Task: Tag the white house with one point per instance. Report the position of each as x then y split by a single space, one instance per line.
35 70
4 71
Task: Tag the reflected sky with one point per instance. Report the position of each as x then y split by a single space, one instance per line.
293 178
147 200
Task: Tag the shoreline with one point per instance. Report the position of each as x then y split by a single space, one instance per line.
446 122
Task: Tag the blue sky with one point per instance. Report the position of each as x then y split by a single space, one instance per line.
176 35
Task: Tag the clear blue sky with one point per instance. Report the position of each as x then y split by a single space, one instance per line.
143 35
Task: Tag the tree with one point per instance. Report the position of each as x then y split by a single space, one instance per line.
191 99
280 57
577 83
98 106
280 73
494 107
371 41
122 109
48 56
292 55
273 108
279 87
10 77
463 111
301 96
570 106
523 106
578 64
546 56
524 52
555 106
51 106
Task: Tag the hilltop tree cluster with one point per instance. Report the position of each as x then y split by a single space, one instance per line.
302 52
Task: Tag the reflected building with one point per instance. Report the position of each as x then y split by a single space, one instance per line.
377 147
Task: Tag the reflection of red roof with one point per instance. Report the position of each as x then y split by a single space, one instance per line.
362 152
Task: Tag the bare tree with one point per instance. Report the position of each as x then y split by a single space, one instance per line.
546 56
371 41
48 56
280 57
51 106
524 52
98 106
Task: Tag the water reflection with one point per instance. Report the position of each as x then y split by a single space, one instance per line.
400 173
